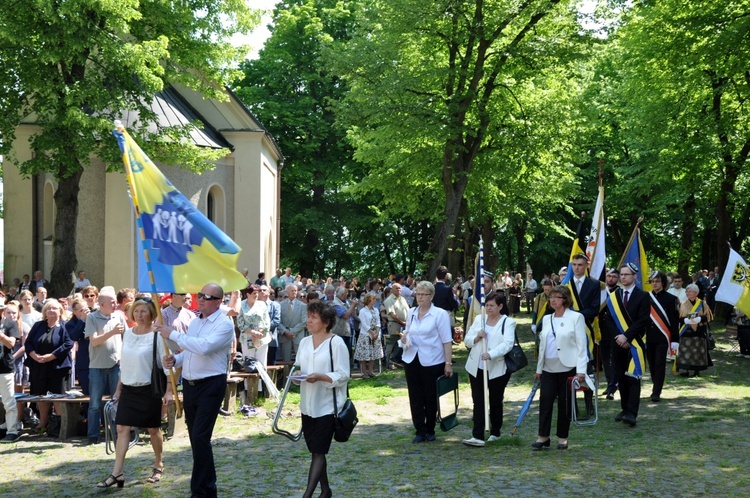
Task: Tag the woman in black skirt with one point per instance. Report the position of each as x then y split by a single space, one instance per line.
136 407
317 353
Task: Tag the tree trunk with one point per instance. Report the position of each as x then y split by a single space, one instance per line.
520 232
488 238
686 241
65 261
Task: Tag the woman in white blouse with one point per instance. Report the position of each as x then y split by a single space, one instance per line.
499 331
136 407
324 361
427 343
562 354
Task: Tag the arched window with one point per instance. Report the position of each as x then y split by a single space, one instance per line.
216 206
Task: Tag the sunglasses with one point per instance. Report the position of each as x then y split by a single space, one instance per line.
145 299
90 295
207 297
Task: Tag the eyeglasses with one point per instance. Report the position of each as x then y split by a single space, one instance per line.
422 294
90 295
208 297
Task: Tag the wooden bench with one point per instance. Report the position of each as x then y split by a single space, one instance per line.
251 388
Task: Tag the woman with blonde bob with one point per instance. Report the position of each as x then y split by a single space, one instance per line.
136 406
427 343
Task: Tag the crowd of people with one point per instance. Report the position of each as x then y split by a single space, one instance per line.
104 342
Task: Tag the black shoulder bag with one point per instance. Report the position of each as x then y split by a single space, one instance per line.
515 359
158 379
346 420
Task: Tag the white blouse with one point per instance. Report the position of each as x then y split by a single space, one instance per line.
427 335
137 357
316 398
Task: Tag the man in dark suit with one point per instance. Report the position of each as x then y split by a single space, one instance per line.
585 290
607 343
636 306
444 297
661 331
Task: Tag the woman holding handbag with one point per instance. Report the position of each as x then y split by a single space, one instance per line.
499 331
137 405
562 354
323 361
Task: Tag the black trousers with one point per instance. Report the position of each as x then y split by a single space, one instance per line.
743 337
554 386
656 355
606 347
630 387
201 403
420 382
497 393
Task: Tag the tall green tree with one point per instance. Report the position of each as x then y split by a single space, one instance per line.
433 86
72 67
291 89
674 84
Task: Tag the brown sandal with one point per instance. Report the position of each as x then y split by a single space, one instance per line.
155 475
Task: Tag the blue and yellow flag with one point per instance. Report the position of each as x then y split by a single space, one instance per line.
182 250
635 254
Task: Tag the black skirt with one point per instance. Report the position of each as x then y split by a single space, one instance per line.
318 433
137 408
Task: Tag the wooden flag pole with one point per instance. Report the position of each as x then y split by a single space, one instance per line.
154 295
632 236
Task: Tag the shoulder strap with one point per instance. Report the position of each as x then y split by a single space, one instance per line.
330 351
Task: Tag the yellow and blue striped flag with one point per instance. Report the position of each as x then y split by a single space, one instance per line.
181 249
635 254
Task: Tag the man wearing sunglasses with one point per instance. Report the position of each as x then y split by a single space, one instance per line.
204 360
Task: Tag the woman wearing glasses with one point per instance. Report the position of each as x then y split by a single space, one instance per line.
562 354
136 406
427 355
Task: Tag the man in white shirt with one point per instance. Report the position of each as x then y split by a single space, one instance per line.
397 309
204 360
677 290
530 292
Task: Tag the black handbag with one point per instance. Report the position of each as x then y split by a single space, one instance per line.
251 365
346 420
515 359
158 379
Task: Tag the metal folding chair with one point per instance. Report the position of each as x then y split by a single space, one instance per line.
110 428
590 401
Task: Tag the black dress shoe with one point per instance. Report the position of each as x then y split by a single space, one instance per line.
655 398
224 413
629 419
538 445
619 417
610 396
562 446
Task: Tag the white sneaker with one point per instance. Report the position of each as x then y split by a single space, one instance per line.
473 442
493 438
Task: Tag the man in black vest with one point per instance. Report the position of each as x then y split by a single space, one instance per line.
662 330
636 307
444 297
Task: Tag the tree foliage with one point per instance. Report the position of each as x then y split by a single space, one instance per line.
72 67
